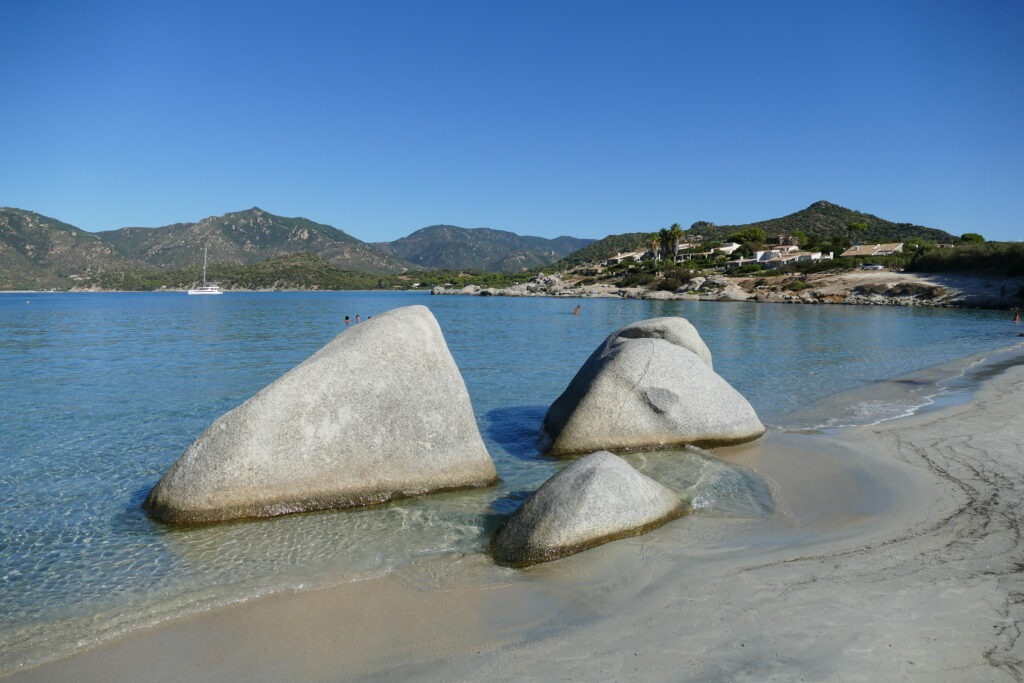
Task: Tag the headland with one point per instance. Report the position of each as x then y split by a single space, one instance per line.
856 287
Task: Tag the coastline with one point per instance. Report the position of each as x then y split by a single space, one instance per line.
873 288
857 288
894 551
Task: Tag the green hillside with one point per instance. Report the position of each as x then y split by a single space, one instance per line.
453 248
247 237
292 271
827 222
822 225
38 252
603 249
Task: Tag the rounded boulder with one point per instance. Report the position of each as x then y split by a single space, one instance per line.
649 385
379 412
597 499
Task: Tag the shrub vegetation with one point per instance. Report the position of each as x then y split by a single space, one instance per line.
989 258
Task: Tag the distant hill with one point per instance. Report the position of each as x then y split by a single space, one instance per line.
247 237
450 247
829 222
824 223
291 271
38 252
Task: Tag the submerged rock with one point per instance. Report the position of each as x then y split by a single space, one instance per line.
597 499
649 385
379 412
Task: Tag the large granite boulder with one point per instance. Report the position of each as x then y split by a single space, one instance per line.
379 412
649 385
597 499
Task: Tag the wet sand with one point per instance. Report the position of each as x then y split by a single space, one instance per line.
895 553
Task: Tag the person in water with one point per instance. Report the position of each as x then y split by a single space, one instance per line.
1016 316
576 311
357 317
347 321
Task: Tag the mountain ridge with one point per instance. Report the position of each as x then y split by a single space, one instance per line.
450 247
40 252
245 237
827 222
825 226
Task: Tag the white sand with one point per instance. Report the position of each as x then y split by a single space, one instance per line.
895 554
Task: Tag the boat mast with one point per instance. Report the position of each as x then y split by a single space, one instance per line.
204 266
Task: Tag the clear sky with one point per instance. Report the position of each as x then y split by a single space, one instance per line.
544 118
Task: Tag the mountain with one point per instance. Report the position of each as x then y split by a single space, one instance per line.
291 271
246 237
826 225
449 247
38 252
827 222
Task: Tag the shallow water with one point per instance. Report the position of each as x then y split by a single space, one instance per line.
102 392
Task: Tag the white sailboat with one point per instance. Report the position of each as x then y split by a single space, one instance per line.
207 287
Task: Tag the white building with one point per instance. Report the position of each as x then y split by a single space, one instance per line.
781 256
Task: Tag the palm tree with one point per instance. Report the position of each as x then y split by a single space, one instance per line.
665 239
677 235
653 242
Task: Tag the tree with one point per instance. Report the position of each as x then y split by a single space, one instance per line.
756 235
855 230
972 238
653 241
701 225
744 251
665 238
677 235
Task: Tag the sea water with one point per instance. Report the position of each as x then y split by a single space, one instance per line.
101 393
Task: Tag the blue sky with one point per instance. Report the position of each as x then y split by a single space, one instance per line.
543 118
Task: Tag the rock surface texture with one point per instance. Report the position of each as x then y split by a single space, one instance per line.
597 499
379 412
649 385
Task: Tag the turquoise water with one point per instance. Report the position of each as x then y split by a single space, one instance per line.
102 392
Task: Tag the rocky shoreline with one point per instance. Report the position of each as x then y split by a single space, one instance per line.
878 288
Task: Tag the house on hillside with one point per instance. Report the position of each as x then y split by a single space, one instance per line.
622 256
693 255
781 256
874 250
682 252
688 251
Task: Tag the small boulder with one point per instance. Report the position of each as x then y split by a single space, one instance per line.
379 412
649 385
597 499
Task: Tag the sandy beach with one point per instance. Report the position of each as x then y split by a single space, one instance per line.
894 553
